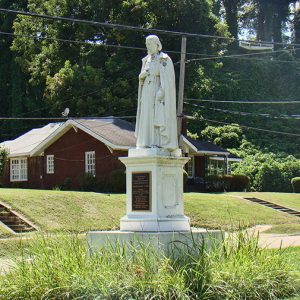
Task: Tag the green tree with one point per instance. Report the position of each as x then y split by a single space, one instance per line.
228 136
58 67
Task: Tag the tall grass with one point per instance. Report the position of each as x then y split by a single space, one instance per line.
56 267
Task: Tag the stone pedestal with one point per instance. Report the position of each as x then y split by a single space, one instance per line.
154 200
166 243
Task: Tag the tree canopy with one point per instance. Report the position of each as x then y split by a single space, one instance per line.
94 76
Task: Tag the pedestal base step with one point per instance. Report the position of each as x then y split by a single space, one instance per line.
164 242
179 224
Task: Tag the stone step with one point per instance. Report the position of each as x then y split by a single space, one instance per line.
13 221
275 206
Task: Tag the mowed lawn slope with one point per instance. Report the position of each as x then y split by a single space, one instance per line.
290 200
285 199
80 211
4 232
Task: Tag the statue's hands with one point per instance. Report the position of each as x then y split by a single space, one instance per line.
160 95
143 75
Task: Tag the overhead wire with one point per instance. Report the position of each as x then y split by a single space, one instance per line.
244 101
205 56
136 28
138 48
65 119
243 113
243 55
244 126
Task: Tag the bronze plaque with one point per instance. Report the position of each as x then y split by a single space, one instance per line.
141 191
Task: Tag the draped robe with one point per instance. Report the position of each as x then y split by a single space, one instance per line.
156 122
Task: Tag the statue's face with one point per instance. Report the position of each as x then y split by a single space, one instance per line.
152 47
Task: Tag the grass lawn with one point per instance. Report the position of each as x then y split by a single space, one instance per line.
80 211
285 199
4 232
71 211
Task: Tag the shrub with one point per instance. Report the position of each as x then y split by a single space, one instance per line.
239 183
118 181
67 184
215 183
296 184
87 182
268 172
229 183
3 160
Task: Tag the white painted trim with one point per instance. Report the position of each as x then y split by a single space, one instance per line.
60 131
222 158
54 136
189 144
10 175
86 162
192 159
213 152
47 164
18 155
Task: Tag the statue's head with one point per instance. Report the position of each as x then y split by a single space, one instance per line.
153 44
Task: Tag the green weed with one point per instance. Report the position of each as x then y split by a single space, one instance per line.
57 267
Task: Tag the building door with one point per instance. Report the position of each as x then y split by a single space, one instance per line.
200 166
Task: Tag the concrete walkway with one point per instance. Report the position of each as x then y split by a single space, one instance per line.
5 265
271 240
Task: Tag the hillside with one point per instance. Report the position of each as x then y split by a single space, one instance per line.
79 212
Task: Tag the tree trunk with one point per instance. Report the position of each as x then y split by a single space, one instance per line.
265 20
231 9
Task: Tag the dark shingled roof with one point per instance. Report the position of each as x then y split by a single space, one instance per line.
205 146
117 131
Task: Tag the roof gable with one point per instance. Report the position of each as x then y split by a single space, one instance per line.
201 146
26 143
114 133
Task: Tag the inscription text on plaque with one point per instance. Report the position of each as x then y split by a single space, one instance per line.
141 191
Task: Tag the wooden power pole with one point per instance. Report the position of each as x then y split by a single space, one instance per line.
181 88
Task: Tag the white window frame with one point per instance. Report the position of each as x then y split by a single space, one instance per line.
191 164
50 164
90 163
16 169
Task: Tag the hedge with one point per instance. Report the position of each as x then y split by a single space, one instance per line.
296 184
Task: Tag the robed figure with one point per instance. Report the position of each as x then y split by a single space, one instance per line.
156 122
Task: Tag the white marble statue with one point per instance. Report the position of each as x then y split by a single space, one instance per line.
156 122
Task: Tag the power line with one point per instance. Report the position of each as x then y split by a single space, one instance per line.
246 127
90 43
65 119
75 41
244 101
134 28
242 56
243 113
206 56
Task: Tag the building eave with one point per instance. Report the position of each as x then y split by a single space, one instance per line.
189 144
213 153
23 154
64 128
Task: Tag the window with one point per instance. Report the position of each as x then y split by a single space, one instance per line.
50 164
216 167
18 169
90 165
190 167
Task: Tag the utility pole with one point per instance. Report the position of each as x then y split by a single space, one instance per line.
181 88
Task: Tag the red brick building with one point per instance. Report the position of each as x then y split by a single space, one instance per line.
47 157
